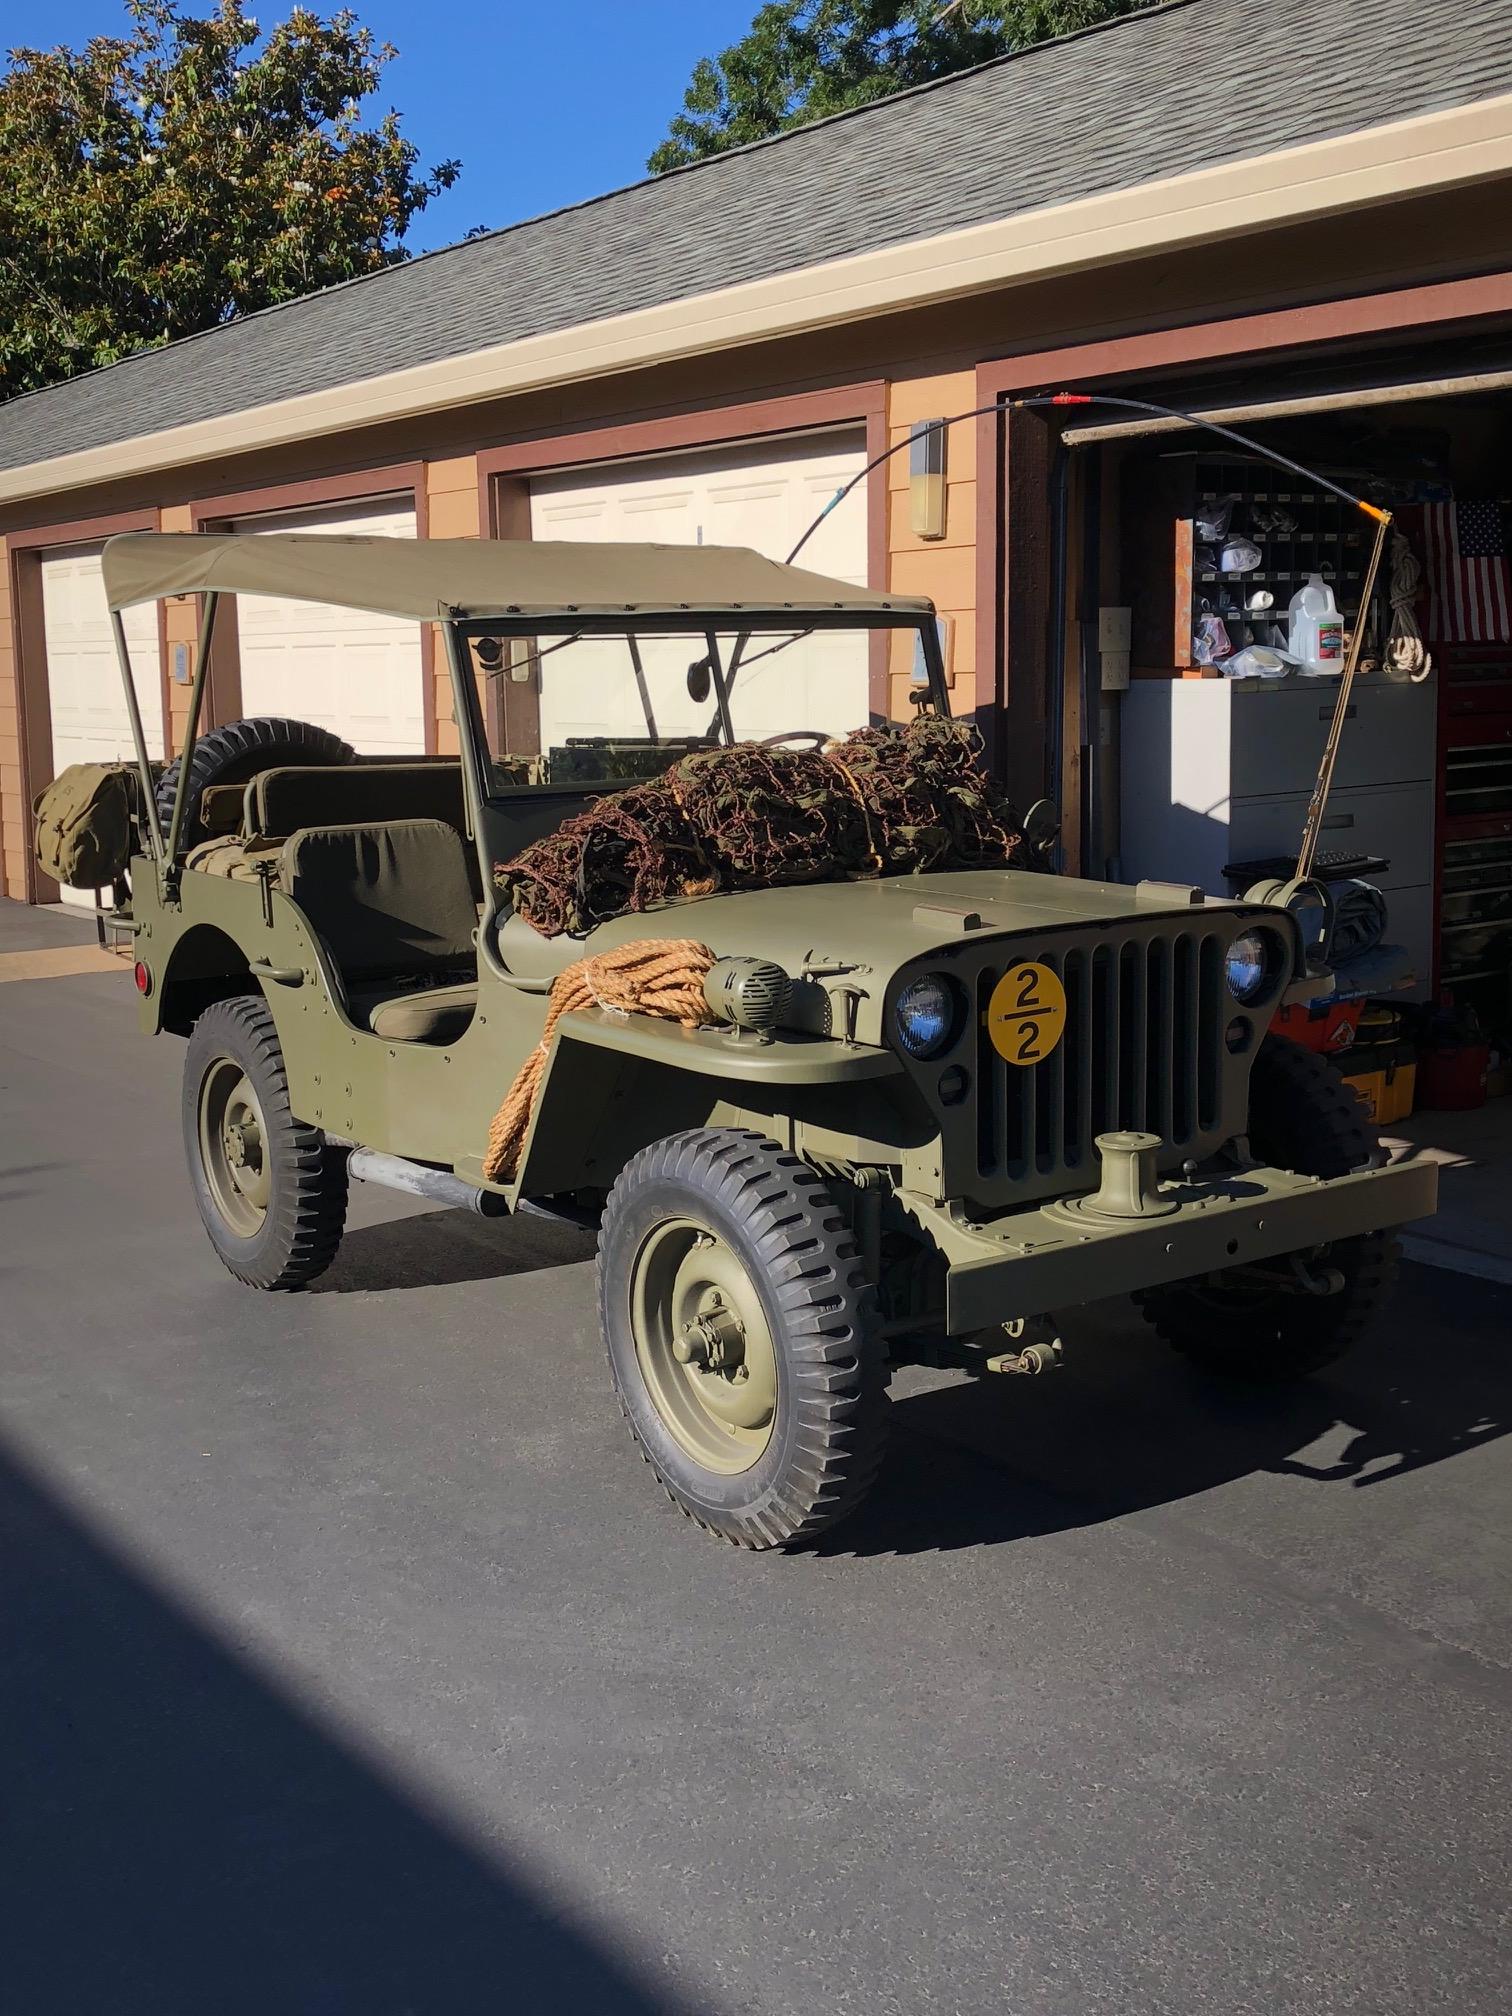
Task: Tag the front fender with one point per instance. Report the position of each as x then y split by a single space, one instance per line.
612 1085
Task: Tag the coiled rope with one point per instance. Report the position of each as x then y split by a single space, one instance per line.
1405 649
649 976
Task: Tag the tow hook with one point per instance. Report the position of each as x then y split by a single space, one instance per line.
1039 1346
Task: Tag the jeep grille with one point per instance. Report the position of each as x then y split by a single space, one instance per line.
1142 1048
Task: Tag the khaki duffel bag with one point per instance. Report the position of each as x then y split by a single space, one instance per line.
84 824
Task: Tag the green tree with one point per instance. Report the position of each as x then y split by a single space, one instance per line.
803 59
188 171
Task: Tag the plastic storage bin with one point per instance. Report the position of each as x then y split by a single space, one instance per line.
1326 1026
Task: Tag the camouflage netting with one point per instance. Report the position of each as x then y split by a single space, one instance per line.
770 816
883 801
928 796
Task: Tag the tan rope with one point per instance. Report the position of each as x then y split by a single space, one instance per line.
1317 805
649 976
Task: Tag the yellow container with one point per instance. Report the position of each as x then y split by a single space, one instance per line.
1387 1091
1370 1088
1399 1083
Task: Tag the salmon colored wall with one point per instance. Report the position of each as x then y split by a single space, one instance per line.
451 512
944 569
181 623
13 821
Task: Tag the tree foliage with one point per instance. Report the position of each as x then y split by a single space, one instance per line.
803 59
188 171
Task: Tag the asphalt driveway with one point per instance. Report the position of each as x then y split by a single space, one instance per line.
350 1663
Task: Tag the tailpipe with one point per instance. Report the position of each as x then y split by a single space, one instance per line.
415 1179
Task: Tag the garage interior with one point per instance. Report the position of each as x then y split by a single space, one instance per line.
1184 774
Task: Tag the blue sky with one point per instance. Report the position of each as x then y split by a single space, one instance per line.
543 104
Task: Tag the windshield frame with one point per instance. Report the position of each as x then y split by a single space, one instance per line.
478 780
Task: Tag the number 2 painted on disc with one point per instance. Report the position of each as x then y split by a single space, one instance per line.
1026 1016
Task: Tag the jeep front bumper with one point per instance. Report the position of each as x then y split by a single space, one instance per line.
1028 1262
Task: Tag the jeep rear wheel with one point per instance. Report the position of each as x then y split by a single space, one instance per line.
271 1192
742 1336
238 751
1261 1322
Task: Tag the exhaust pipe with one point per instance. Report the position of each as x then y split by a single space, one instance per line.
414 1179
440 1186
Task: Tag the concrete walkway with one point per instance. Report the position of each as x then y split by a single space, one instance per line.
1472 1232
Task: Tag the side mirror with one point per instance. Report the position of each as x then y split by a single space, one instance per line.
700 680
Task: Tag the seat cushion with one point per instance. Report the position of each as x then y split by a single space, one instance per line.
390 902
235 859
424 1015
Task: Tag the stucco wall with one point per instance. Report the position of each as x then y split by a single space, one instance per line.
180 620
944 569
451 512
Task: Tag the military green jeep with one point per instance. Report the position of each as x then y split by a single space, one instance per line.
919 1114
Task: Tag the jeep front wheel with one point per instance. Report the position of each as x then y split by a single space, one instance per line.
271 1192
742 1336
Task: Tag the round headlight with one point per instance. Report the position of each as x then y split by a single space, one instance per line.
1251 964
926 1015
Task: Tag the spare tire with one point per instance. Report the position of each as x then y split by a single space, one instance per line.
232 754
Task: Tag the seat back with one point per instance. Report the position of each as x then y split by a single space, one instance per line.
284 799
388 901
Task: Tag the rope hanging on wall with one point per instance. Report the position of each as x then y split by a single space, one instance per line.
1405 649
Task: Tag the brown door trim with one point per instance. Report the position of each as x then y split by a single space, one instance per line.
504 472
26 551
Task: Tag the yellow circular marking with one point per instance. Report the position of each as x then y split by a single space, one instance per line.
1026 1016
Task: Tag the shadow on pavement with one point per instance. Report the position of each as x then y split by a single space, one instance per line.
433 1248
1129 1425
177 1838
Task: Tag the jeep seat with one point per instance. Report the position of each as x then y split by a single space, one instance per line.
393 905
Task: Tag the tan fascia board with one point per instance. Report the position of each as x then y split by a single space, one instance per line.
1431 153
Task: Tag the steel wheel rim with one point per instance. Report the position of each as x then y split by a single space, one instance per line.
703 1346
233 1145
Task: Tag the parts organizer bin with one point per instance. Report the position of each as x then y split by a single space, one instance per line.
1161 504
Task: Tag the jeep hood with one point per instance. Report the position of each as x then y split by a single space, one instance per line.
872 929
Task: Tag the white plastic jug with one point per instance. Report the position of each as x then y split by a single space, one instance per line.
1317 629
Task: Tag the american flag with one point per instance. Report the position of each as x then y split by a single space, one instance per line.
1463 547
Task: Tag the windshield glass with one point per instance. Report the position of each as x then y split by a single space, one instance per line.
624 705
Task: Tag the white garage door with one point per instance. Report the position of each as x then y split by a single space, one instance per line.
356 674
86 701
759 494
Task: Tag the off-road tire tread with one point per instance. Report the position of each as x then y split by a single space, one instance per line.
235 753
307 1210
1341 1137
828 1306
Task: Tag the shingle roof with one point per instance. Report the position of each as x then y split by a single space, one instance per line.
1191 84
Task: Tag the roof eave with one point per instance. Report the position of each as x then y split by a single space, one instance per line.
1433 152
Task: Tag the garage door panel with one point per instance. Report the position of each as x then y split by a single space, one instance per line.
90 721
755 494
86 702
357 674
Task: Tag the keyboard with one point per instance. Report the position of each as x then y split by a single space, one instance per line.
1336 866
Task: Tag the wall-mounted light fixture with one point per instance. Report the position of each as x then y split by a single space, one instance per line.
926 479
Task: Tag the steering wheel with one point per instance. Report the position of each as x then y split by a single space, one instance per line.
815 737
